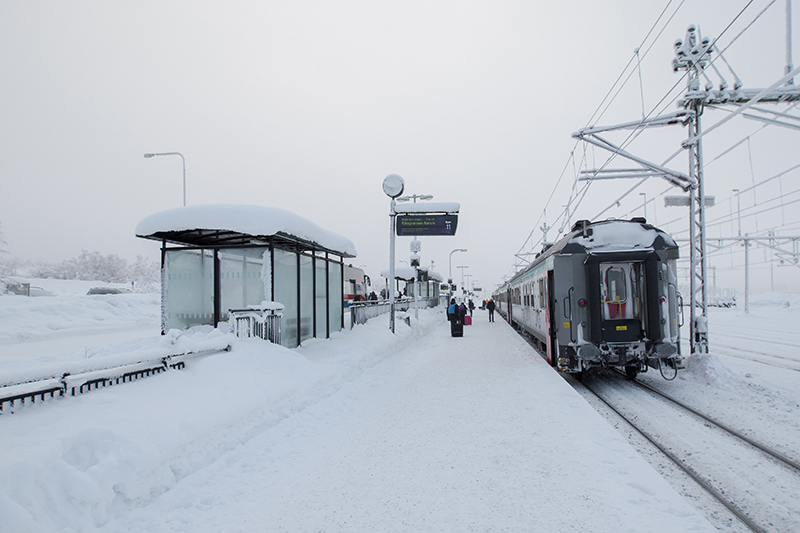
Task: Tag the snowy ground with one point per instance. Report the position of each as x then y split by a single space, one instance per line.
364 432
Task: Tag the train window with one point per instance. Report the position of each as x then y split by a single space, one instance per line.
616 285
541 294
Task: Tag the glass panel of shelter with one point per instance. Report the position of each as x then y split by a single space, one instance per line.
190 288
241 271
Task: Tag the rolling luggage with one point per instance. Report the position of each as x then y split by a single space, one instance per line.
456 328
467 320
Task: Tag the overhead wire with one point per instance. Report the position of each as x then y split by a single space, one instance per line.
582 192
598 110
634 134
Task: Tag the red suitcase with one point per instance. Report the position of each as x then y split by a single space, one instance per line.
467 320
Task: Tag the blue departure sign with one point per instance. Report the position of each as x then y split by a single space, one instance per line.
425 224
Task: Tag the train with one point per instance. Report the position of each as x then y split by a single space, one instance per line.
356 285
604 296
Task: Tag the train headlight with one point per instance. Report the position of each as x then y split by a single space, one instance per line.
582 302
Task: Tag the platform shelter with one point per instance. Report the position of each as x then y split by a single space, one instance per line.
220 257
426 280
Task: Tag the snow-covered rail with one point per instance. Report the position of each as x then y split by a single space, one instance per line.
730 467
66 384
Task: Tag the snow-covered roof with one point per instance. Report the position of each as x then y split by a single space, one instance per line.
621 235
206 225
428 207
405 272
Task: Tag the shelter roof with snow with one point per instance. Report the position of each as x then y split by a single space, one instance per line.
409 273
221 225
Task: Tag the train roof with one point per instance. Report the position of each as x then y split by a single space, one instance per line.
606 236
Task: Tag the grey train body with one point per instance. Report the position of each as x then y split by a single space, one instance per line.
605 295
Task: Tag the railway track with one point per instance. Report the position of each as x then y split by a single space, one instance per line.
716 475
761 357
748 478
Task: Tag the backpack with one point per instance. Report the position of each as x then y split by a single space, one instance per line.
451 310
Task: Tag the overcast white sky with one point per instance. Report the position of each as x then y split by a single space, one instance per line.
309 105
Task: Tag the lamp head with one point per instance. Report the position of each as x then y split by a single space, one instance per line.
149 155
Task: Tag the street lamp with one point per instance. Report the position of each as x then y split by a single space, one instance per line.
184 169
393 186
450 280
462 275
415 197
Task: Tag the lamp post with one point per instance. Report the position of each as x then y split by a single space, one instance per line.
462 267
450 280
738 210
393 186
149 155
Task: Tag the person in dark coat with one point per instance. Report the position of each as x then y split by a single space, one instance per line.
490 307
471 307
456 319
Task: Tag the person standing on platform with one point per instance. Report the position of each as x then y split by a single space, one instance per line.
456 319
471 307
490 307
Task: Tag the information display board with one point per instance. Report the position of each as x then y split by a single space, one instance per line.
423 224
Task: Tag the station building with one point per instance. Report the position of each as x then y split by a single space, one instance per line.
220 257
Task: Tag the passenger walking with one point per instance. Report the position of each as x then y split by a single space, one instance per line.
471 307
490 307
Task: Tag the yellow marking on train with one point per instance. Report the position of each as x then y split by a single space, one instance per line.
622 328
566 325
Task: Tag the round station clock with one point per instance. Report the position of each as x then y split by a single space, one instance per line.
393 185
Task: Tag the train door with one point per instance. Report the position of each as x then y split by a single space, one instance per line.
552 346
621 295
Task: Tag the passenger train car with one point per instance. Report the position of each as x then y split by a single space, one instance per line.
605 295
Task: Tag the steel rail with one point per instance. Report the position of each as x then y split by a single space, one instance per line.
685 468
776 455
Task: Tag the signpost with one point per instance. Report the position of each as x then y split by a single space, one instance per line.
436 218
426 224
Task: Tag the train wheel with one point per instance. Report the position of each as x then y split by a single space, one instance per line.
631 371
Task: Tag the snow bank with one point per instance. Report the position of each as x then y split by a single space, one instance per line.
774 300
78 463
24 319
708 369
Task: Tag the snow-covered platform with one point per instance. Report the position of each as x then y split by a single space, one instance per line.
367 431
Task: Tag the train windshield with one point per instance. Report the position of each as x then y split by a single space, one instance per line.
620 287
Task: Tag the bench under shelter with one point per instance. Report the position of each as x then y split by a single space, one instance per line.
220 257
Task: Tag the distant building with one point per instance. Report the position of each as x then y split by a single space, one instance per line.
220 257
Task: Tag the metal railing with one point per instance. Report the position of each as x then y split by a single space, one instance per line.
262 321
360 312
37 390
